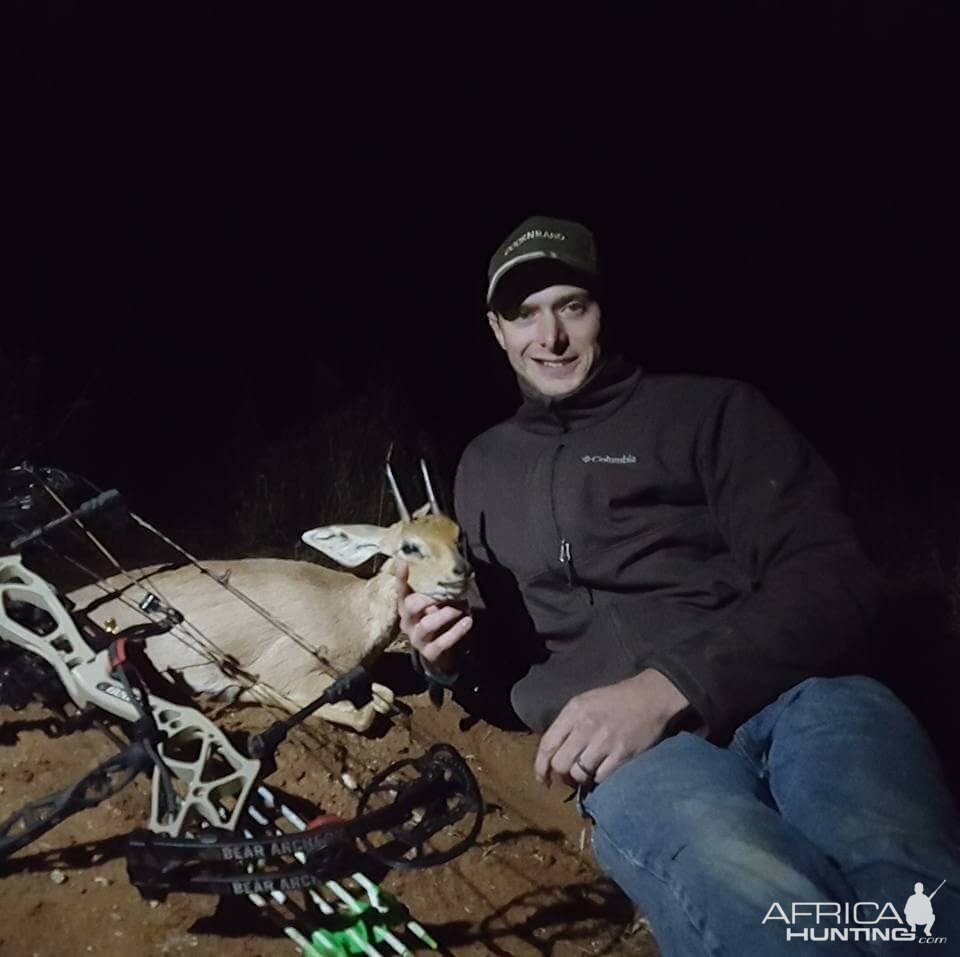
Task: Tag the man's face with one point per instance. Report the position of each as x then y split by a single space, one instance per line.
552 341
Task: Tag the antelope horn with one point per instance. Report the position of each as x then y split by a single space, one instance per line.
398 498
431 496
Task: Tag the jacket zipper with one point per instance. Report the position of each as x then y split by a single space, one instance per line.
565 559
565 555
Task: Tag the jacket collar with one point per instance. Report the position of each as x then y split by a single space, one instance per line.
605 390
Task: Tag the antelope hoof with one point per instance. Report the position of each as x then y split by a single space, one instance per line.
346 715
382 698
228 695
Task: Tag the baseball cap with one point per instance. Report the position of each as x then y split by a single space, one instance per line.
542 237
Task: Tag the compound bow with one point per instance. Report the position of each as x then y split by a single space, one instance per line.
214 826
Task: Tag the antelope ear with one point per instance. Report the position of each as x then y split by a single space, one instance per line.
424 509
348 545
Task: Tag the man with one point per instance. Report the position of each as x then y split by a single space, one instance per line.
691 605
919 910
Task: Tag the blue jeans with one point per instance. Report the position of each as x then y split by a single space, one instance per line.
831 794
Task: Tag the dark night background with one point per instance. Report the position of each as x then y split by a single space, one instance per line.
250 245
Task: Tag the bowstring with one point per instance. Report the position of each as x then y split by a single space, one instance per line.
197 643
330 669
203 644
415 735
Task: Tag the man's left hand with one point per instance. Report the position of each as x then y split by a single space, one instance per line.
599 730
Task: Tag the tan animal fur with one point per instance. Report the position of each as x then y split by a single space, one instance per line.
346 619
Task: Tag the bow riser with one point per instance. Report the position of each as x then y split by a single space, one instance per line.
86 676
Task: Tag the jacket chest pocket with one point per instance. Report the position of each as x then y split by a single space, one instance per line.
616 510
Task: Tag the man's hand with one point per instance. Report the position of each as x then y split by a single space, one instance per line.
599 730
433 629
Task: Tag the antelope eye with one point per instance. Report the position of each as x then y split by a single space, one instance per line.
408 548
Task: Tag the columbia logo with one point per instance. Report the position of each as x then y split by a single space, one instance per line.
611 459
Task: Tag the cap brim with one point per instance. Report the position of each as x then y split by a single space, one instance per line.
507 266
541 269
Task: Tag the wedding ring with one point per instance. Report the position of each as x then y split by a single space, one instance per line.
583 768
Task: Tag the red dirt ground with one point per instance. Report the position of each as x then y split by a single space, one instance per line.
526 888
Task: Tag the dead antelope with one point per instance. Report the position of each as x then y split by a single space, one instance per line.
347 620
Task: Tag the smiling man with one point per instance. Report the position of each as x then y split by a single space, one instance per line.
676 600
543 318
552 340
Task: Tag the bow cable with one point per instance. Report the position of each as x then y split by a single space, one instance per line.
272 619
327 666
197 642
417 737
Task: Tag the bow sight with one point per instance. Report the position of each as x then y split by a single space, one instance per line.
214 827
